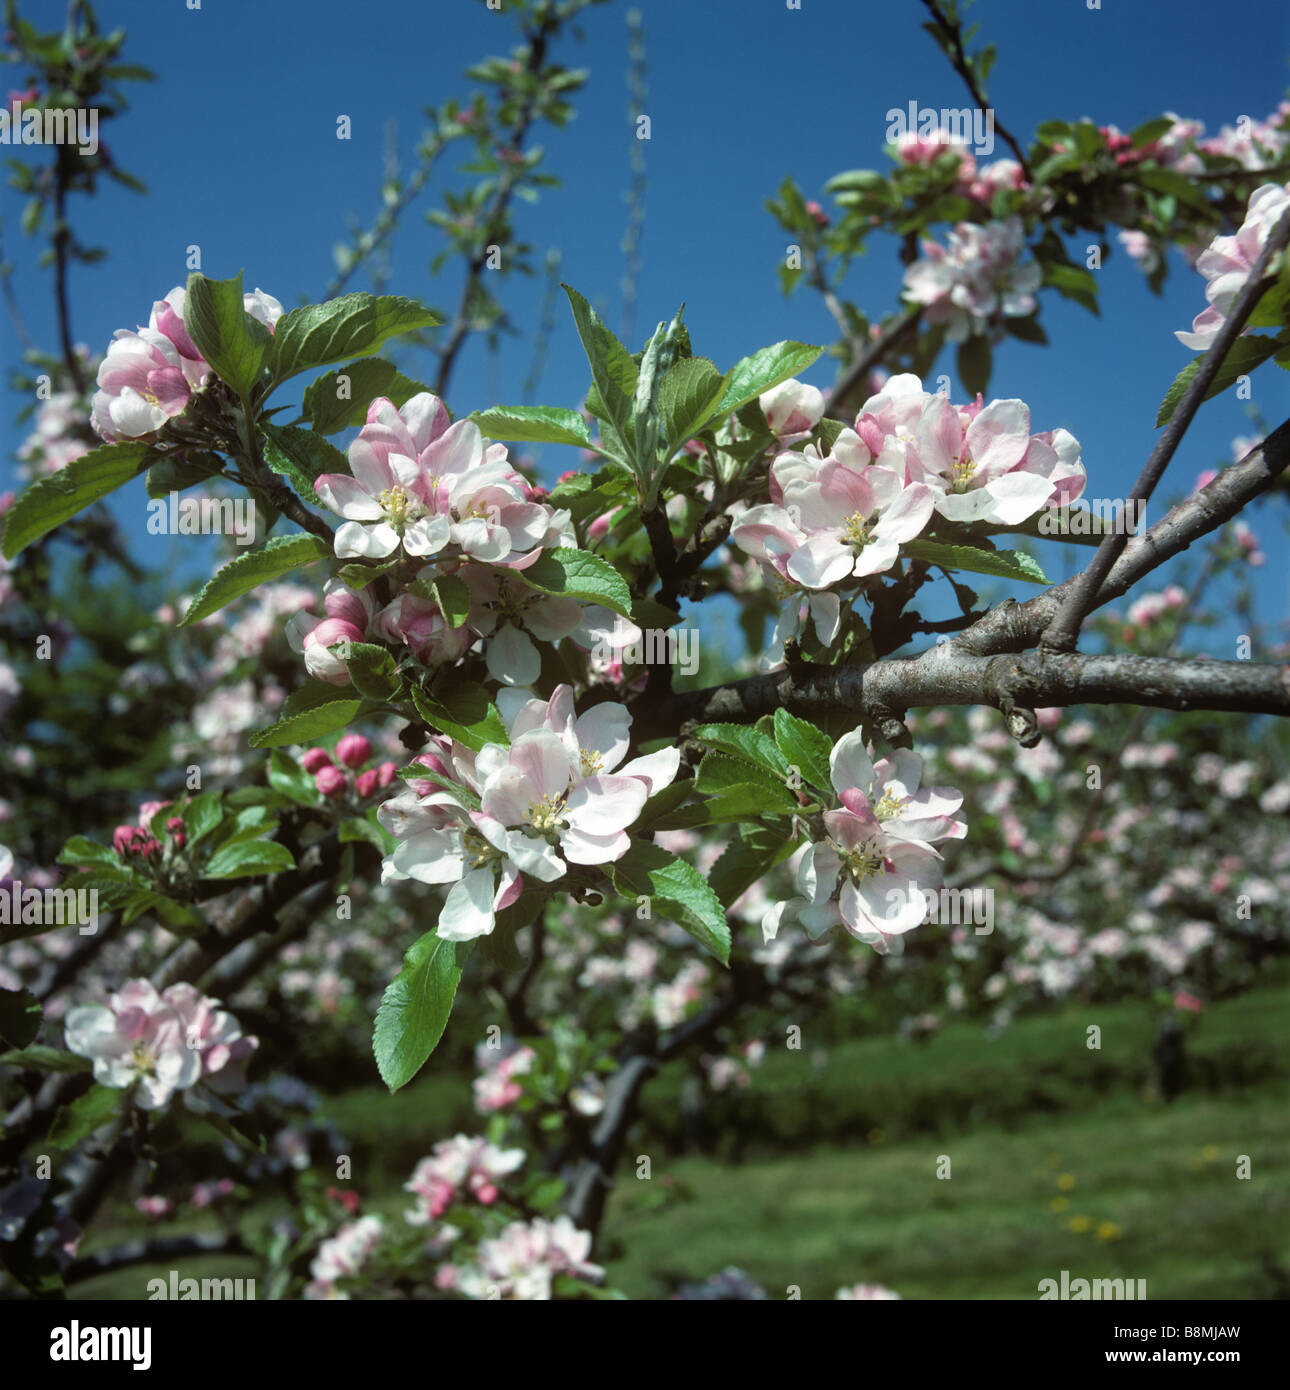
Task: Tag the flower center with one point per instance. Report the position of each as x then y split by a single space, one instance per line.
962 473
855 530
890 806
144 1062
782 588
477 849
399 507
544 815
862 862
590 761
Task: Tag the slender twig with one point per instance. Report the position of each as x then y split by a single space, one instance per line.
1063 633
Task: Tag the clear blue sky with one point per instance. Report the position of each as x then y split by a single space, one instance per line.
237 142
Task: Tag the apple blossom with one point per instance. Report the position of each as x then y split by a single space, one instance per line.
458 1167
163 1042
523 1261
975 279
421 624
792 409
869 873
1227 262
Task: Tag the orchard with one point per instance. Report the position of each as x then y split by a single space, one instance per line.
717 813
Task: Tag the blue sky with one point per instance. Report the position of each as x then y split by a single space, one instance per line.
237 142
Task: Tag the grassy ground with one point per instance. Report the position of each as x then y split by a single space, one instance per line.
1059 1158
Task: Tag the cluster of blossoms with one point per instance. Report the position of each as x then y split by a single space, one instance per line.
1228 261
495 1087
842 516
165 1042
353 751
57 438
459 1167
872 870
978 183
1253 144
554 797
975 279
149 375
438 493
139 840
524 1260
867 1292
342 1256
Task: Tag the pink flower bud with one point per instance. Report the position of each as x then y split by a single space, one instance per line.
325 664
386 773
600 526
315 759
354 750
330 781
123 838
365 783
175 824
345 604
150 809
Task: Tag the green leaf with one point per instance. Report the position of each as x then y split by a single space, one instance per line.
415 1008
1074 282
741 741
313 693
180 470
51 501
256 567
688 397
1007 564
856 181
309 725
20 1015
248 858
613 372
287 776
749 856
372 670
79 850
227 336
750 376
46 1059
806 747
735 780
330 409
1174 185
974 362
1246 354
676 891
463 711
301 456
571 573
360 828
448 593
534 424
355 325
84 1115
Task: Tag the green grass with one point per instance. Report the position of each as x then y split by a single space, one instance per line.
877 1213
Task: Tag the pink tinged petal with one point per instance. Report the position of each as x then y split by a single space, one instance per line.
512 658
541 757
367 462
879 555
900 773
348 497
481 540
508 796
459 449
817 873
822 561
433 856
468 909
850 764
509 887
170 388
888 902
604 729
356 541
1017 496
579 847
426 419
428 536
852 829
965 507
657 769
939 437
551 618
605 805
907 515
134 416
998 438
533 857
